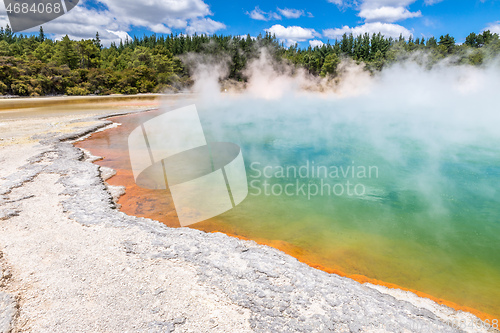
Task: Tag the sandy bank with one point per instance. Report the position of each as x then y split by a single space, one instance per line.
9 104
71 262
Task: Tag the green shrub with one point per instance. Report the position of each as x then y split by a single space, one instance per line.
77 91
129 90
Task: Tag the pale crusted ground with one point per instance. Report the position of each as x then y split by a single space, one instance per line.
70 262
73 278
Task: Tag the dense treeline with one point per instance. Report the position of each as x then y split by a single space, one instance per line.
376 51
36 65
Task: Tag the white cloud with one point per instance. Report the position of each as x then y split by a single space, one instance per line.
204 26
156 11
291 13
122 35
292 34
82 23
176 23
4 20
315 43
378 15
433 2
119 16
343 3
387 14
360 4
161 29
259 14
493 28
385 3
386 29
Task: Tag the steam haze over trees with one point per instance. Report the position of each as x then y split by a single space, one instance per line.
37 66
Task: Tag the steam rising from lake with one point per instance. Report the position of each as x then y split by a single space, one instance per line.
445 105
432 133
409 118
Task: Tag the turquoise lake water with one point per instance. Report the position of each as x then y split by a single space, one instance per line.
421 210
426 218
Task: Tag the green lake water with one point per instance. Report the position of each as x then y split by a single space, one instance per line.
426 218
422 209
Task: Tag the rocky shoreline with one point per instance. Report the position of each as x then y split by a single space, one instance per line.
71 262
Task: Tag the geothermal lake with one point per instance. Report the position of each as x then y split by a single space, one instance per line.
403 197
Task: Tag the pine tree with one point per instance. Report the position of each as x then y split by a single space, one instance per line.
447 42
330 65
41 35
97 41
8 34
471 40
65 53
432 42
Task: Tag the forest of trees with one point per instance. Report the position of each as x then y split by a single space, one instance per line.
36 65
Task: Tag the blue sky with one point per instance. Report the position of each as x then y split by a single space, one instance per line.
305 22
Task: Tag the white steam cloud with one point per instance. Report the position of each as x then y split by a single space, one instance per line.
444 113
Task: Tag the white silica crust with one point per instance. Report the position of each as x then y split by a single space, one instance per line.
80 265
